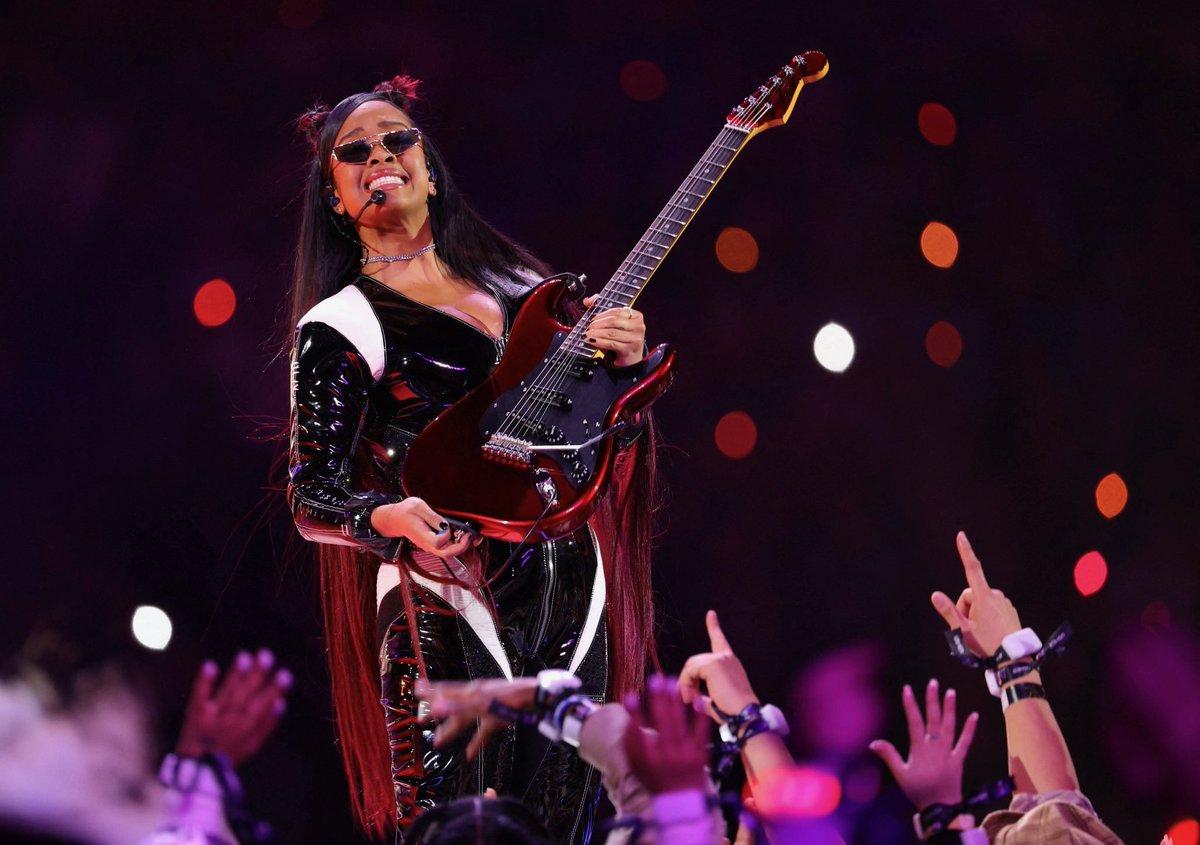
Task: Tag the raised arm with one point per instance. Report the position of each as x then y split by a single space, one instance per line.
755 729
1038 758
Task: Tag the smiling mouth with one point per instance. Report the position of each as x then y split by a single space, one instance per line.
385 181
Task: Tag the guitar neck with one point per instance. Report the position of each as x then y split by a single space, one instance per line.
637 268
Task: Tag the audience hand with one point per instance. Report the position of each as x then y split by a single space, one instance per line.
244 710
667 744
932 774
459 704
984 615
721 672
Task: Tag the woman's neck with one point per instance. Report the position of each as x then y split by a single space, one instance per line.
400 237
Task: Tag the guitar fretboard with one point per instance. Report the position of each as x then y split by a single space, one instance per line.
637 268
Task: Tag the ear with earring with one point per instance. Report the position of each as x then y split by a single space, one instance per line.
432 180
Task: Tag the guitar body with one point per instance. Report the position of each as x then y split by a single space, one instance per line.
454 463
531 450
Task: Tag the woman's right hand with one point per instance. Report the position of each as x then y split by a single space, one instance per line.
418 523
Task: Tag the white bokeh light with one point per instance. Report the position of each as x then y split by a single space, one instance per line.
151 627
834 348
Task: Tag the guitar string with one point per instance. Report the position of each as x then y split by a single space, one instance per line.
675 212
553 376
679 213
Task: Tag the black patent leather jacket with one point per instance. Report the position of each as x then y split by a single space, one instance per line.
371 369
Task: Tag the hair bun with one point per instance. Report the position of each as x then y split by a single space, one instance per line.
403 90
312 122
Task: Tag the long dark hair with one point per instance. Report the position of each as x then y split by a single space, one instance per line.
328 249
327 254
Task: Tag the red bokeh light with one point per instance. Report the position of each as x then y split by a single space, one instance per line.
643 80
1111 495
736 435
937 124
737 250
214 303
943 344
798 792
1185 832
1091 572
298 14
939 245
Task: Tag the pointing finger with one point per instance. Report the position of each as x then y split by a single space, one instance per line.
716 636
971 565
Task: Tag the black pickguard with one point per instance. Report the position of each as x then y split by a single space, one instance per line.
568 406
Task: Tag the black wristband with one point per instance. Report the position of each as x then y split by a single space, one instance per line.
1012 694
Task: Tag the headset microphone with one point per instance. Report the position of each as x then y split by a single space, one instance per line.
378 197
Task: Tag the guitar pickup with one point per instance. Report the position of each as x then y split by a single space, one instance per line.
550 398
581 367
532 431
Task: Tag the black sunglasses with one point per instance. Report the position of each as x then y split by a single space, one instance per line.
395 142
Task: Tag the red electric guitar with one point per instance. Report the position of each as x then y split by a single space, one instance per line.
531 450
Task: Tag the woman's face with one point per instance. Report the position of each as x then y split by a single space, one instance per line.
403 178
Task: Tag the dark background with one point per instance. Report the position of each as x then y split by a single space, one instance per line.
147 148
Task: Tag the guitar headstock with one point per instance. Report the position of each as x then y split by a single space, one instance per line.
771 105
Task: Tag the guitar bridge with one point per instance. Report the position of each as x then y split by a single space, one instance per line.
508 450
515 445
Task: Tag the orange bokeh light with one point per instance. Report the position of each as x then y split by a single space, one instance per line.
643 80
939 245
1111 495
943 344
1091 572
737 250
1185 832
937 124
214 302
736 435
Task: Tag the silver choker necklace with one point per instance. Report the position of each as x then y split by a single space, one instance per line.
389 259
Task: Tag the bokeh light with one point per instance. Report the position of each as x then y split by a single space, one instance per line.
1111 495
939 245
736 435
1156 616
737 250
1185 832
943 344
798 792
297 14
937 124
834 348
1091 571
151 627
643 80
214 302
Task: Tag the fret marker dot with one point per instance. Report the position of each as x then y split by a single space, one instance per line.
737 250
834 348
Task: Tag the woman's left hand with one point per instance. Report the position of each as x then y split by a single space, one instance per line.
621 331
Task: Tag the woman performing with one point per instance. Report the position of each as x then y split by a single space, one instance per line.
402 300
